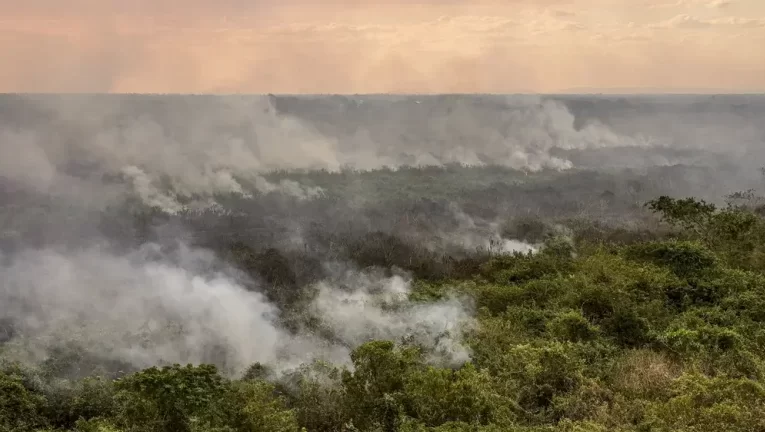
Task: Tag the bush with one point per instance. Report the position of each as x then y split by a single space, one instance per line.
255 407
702 403
439 396
172 398
572 326
685 259
627 328
20 408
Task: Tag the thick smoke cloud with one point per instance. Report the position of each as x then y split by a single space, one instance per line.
67 161
170 151
151 306
375 306
88 139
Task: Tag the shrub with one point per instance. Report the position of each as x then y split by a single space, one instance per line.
685 259
20 408
173 397
572 326
701 403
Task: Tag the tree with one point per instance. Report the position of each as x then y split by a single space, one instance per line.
376 385
20 408
257 408
172 397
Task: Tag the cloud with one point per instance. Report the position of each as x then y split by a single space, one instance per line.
720 3
352 47
635 36
711 4
685 21
739 22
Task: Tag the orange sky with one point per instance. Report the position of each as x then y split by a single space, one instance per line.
362 46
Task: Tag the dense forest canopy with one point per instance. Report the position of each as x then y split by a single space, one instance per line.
450 263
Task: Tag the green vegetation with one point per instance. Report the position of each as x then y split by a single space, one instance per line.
664 334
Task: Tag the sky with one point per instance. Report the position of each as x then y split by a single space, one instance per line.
393 46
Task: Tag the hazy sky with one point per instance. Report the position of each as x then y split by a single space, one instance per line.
365 46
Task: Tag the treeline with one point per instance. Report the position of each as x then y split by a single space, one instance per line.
410 204
659 334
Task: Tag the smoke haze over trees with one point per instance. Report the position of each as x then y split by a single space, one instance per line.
381 263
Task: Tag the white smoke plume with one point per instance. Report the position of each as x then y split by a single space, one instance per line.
150 306
474 234
195 146
159 167
519 133
223 182
364 306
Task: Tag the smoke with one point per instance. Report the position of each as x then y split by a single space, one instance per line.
162 165
184 149
362 306
222 182
149 194
289 188
518 132
475 234
152 306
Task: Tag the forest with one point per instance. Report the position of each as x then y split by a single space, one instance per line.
144 289
633 331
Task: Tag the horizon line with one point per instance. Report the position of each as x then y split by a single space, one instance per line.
604 92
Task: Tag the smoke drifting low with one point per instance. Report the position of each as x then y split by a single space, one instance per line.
176 148
151 306
179 149
370 305
119 212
